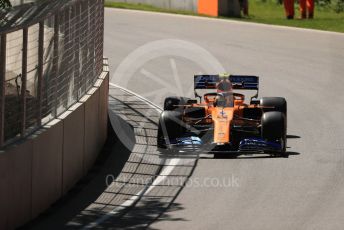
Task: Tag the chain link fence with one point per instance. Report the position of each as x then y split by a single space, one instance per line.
51 54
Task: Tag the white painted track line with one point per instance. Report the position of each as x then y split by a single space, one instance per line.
167 170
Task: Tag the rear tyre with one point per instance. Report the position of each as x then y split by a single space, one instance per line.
273 129
169 128
278 104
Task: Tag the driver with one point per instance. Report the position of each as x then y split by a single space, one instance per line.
224 85
224 100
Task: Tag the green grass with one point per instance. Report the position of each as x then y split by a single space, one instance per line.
264 12
272 13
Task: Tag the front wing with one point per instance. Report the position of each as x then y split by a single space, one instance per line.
246 146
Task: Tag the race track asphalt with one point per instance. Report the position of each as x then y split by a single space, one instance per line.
305 191
156 55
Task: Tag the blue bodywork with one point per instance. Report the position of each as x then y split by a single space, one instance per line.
245 145
239 82
257 144
183 141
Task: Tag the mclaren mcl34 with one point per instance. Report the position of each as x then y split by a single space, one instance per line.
221 122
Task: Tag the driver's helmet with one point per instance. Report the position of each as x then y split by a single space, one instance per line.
224 100
224 85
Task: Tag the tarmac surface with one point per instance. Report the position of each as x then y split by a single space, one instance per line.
156 55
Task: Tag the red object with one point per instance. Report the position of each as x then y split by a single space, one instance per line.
208 7
307 6
289 8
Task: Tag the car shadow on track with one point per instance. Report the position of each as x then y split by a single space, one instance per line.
242 157
293 137
110 161
255 156
133 163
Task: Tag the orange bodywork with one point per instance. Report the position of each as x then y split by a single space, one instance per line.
223 117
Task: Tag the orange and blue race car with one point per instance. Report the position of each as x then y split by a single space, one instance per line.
219 121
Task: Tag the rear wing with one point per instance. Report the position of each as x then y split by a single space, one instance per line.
206 81
245 82
239 82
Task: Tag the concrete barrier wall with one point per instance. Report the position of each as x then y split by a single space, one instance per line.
46 179
186 5
40 169
15 187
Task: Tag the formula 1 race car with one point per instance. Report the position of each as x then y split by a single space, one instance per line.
220 122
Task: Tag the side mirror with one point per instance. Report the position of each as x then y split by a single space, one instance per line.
255 101
200 98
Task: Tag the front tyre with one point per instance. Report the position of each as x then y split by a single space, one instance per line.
170 127
278 104
273 129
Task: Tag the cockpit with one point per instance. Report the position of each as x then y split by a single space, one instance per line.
228 99
224 100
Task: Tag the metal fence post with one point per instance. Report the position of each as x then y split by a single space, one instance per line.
40 71
23 81
76 42
2 87
101 35
56 60
76 46
93 28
